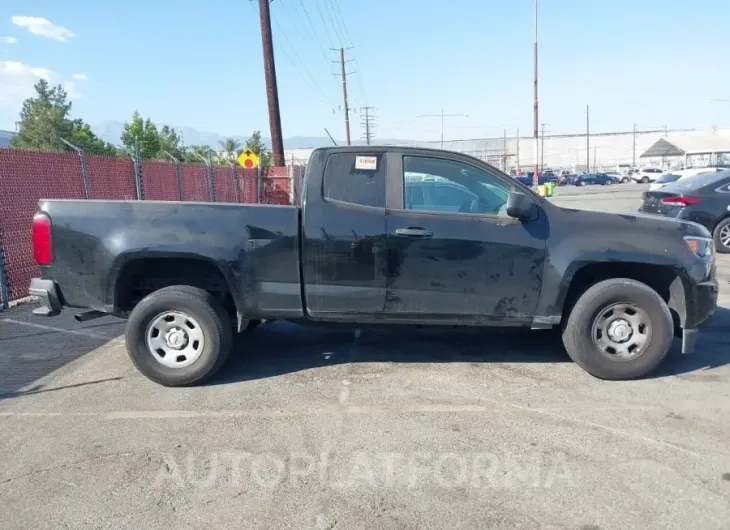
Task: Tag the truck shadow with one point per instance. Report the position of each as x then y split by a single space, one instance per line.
279 348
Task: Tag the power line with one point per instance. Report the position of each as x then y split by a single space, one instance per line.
326 29
335 26
442 116
304 37
311 26
336 3
312 81
348 38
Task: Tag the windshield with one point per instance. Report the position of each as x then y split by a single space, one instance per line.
667 178
698 181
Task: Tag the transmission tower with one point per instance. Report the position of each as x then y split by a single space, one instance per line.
367 122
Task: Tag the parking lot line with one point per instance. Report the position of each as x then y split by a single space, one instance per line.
578 421
79 332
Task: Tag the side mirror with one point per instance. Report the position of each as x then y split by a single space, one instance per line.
519 206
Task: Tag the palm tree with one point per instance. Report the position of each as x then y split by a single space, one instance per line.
230 148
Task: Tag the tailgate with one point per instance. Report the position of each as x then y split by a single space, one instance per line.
651 202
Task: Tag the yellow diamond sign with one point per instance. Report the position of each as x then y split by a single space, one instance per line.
248 159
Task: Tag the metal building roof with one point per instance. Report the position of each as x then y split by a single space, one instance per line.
688 145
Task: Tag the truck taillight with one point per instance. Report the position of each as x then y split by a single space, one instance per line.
42 253
682 200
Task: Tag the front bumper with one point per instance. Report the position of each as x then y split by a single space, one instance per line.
48 297
701 304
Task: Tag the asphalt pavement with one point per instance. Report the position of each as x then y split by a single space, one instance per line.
320 428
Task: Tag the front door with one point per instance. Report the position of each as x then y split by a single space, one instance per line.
455 254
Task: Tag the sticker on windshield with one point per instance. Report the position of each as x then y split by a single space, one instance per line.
369 163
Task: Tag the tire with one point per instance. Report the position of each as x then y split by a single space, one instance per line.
645 180
206 322
582 183
625 180
578 333
717 236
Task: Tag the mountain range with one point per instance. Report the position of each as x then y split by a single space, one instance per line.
111 131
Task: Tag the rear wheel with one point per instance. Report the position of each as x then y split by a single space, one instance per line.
625 180
179 335
721 235
619 329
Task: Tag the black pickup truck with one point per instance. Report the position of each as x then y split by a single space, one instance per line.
384 235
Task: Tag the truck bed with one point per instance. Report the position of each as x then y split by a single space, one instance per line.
98 245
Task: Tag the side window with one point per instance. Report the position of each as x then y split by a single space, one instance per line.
355 178
440 185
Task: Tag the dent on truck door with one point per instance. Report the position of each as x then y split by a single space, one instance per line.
344 235
454 251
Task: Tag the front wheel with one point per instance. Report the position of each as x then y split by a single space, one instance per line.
721 235
625 180
645 180
179 336
619 329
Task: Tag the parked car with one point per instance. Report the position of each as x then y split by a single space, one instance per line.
366 249
619 177
675 175
595 178
646 175
703 199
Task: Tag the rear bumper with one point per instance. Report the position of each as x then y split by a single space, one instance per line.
48 297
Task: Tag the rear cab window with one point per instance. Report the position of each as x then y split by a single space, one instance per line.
355 178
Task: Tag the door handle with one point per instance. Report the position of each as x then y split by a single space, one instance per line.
413 232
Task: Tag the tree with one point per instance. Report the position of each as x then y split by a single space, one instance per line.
194 152
44 119
145 132
170 142
230 148
83 137
256 144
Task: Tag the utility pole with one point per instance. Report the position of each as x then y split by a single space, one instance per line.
367 121
542 147
442 116
518 150
344 92
588 140
633 158
535 181
272 93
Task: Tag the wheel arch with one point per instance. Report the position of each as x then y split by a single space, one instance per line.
136 276
666 280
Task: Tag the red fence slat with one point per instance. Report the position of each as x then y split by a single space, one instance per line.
159 181
111 178
195 182
26 177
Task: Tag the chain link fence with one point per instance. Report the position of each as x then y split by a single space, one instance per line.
27 176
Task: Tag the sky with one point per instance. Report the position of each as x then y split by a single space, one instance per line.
199 64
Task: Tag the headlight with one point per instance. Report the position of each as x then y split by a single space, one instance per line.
702 247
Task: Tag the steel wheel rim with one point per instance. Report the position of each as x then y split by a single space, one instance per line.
622 331
725 235
175 339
